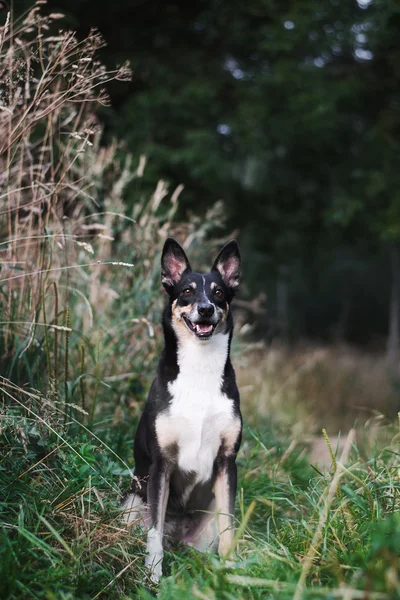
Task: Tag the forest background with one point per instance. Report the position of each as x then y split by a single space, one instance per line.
289 112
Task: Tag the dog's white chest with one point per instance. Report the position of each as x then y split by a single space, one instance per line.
200 416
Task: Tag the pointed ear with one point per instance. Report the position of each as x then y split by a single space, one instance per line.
173 263
227 264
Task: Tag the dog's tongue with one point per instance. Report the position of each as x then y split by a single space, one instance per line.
203 328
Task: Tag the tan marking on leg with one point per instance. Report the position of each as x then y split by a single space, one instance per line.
224 519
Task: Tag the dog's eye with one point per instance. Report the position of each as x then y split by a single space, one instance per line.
187 291
219 293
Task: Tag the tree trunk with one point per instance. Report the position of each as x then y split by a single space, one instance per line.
343 321
393 336
282 308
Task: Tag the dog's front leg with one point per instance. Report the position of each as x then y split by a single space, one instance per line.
225 492
157 495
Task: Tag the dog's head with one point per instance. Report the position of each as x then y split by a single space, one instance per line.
200 302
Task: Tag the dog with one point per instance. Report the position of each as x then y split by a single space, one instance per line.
190 430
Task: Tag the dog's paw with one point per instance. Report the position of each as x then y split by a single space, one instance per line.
153 565
231 564
155 553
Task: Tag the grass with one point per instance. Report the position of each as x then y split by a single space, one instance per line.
62 536
80 334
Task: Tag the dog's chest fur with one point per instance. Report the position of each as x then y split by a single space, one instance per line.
199 417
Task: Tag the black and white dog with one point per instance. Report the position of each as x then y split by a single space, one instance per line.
190 430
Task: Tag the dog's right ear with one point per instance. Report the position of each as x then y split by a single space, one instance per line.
174 263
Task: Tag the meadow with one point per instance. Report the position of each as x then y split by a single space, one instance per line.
80 334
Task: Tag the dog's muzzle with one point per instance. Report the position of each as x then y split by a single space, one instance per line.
202 321
202 329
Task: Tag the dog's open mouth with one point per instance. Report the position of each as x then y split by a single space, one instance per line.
201 330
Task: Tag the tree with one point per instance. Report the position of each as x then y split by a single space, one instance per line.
289 111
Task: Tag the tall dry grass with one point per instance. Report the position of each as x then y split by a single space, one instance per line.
79 278
317 387
53 171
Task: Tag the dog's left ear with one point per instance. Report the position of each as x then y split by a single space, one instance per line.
174 263
227 264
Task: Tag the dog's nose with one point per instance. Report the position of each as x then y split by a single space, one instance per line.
205 310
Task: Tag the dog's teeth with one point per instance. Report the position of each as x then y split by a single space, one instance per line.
203 328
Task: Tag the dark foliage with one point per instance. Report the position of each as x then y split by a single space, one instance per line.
288 111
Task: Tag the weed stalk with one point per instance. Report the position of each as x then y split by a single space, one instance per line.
81 381
66 360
